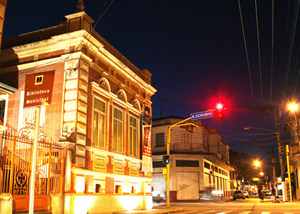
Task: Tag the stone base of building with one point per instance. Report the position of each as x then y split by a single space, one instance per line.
6 203
82 203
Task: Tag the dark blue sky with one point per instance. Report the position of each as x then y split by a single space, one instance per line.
195 51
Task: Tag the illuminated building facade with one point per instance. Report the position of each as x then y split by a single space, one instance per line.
292 126
199 159
99 113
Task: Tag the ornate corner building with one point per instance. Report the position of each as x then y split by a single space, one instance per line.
98 117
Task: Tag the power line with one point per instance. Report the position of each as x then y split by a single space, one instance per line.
272 52
246 51
258 47
292 39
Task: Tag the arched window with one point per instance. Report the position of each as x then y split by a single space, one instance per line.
136 104
98 188
103 83
122 95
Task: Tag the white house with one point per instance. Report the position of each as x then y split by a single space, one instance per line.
199 159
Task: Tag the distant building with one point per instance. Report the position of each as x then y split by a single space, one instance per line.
199 159
99 116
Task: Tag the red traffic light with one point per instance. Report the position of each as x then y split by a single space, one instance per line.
220 111
219 106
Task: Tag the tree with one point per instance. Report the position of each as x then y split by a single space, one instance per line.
243 163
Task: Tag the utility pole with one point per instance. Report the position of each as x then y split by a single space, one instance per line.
273 163
277 132
278 141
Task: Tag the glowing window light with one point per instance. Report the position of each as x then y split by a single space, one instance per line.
80 184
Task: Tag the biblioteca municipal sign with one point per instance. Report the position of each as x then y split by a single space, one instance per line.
38 89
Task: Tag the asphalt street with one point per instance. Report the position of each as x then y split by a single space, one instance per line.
247 206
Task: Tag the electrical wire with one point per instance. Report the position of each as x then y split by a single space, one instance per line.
250 146
292 39
246 51
272 53
250 140
247 134
295 83
258 48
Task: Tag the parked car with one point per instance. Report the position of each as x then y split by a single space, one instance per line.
246 194
238 194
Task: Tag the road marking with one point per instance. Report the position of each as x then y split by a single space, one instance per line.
265 212
196 211
211 211
246 212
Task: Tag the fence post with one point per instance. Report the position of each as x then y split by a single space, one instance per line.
12 165
62 175
49 170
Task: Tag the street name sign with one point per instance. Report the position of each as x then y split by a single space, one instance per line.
38 89
202 115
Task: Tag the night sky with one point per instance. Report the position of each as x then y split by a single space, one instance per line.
195 50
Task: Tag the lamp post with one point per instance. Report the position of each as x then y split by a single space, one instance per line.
293 107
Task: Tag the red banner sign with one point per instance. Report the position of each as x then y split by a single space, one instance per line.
147 150
147 144
38 89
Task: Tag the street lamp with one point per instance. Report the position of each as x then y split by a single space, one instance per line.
293 107
256 163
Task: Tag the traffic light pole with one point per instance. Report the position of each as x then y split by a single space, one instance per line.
180 123
289 174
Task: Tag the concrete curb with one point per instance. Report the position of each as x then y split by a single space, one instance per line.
155 210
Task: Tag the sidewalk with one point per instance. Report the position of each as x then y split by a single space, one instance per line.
156 209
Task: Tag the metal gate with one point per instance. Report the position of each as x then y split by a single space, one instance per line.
15 168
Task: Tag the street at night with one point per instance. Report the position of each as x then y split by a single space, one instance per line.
247 206
149 106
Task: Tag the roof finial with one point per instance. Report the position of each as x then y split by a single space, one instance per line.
80 5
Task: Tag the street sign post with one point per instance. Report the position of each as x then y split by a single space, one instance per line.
202 115
38 92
